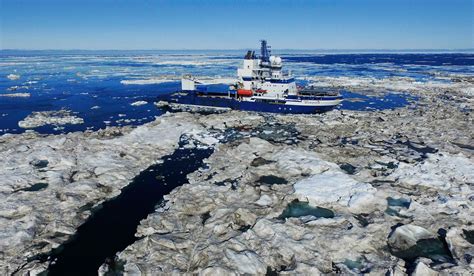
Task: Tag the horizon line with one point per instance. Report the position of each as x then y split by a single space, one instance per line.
244 49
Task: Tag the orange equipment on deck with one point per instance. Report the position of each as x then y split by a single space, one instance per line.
244 92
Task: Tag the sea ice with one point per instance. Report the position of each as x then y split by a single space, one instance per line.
334 186
16 95
438 171
139 103
419 157
407 236
13 77
81 169
146 81
58 118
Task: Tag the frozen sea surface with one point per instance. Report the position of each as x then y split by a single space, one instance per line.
101 86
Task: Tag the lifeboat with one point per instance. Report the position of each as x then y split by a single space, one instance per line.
244 92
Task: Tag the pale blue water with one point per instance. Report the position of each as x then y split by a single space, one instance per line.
80 80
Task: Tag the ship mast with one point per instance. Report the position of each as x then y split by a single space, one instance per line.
265 53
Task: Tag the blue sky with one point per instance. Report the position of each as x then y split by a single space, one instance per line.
232 24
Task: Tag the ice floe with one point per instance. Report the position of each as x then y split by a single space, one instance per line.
438 171
330 187
17 87
147 81
57 118
139 103
16 95
13 77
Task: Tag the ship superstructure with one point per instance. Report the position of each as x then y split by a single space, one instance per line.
262 86
264 75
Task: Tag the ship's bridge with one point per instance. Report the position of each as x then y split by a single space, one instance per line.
265 73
